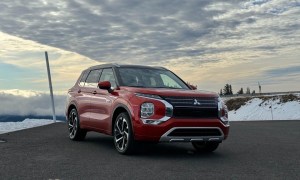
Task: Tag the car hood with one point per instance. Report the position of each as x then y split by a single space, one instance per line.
171 92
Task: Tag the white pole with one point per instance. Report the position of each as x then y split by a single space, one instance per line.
50 87
272 111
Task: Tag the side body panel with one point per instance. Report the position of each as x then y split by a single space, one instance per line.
100 111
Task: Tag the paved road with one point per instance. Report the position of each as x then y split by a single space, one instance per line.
254 150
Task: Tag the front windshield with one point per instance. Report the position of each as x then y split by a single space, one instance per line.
150 78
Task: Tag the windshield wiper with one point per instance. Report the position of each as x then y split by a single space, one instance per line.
135 86
168 87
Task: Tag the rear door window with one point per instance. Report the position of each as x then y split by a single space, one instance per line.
93 78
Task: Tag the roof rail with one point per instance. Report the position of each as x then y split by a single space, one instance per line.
116 64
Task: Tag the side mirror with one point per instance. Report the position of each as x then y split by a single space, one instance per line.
105 85
193 87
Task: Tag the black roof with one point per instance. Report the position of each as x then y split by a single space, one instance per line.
124 65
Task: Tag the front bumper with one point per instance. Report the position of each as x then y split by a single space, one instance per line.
170 136
165 132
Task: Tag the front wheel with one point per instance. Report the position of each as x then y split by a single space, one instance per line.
205 146
75 132
123 134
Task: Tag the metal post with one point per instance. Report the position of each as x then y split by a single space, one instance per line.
50 86
272 111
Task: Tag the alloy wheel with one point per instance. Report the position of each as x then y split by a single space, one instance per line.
73 124
121 133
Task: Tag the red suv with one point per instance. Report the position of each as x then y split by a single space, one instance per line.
141 103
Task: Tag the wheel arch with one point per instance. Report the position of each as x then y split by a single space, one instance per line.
117 110
70 107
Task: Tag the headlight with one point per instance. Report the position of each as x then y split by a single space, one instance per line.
223 112
147 110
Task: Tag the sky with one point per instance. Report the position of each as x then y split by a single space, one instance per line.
206 42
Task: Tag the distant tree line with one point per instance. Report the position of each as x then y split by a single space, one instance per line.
227 90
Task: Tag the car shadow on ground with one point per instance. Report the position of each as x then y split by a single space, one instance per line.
148 149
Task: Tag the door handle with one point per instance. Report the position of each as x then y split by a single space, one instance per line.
94 92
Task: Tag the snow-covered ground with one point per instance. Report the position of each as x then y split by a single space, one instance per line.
272 109
27 123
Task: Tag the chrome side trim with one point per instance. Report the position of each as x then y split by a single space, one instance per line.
176 140
166 138
155 121
225 121
195 140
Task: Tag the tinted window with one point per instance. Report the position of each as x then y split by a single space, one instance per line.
150 78
108 75
93 78
83 78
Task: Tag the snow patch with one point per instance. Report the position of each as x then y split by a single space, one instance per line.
272 109
27 123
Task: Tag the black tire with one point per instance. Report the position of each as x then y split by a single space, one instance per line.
123 134
205 147
75 132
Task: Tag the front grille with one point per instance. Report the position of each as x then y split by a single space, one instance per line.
195 132
190 112
194 107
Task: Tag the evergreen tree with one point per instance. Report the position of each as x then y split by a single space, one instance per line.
241 91
253 92
230 89
221 92
248 90
226 90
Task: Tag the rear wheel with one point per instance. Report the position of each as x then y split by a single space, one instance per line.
75 132
123 134
205 146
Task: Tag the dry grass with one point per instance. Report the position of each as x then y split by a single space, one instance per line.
288 98
236 103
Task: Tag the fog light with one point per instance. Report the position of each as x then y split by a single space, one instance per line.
147 110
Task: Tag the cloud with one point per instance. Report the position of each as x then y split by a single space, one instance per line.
199 40
153 31
283 71
30 103
23 63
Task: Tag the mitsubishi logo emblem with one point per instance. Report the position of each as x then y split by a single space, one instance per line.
196 102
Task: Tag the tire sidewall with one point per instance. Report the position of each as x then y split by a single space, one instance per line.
77 124
130 140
